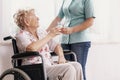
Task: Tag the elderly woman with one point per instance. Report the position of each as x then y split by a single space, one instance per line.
32 38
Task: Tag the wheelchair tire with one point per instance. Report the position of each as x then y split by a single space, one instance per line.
15 71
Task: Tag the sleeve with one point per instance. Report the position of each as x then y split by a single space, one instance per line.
22 41
52 44
61 14
89 10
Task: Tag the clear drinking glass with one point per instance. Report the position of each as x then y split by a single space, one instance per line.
60 25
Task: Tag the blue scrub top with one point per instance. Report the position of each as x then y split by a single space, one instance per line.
75 12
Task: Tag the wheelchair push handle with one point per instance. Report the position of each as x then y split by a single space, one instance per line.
8 38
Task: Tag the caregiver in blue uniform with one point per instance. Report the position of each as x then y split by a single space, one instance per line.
78 16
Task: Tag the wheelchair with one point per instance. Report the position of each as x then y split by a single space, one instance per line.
28 72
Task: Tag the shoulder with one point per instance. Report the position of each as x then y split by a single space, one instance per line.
21 34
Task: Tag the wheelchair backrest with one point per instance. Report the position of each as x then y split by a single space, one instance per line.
15 48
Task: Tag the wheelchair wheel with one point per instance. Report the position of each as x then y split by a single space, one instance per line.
14 74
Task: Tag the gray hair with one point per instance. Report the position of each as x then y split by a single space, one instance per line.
20 16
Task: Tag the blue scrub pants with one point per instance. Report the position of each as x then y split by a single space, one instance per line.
81 51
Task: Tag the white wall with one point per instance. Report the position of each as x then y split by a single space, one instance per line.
0 18
103 62
0 28
106 27
5 56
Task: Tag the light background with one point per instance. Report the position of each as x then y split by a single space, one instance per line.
103 59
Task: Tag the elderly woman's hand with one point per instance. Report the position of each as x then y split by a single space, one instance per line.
61 60
55 31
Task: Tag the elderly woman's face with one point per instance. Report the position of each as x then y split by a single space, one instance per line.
32 20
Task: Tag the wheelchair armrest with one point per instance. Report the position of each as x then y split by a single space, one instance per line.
64 51
68 52
26 54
